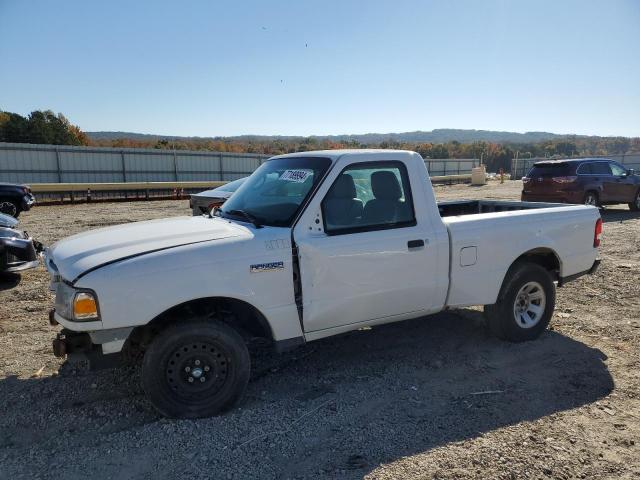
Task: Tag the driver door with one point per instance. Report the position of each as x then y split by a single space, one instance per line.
366 258
622 186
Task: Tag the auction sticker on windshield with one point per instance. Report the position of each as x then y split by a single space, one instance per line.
298 176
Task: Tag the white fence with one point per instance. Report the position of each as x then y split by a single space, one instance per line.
26 163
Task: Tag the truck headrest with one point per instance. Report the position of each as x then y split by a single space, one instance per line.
385 186
344 187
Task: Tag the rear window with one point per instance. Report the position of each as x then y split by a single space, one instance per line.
550 170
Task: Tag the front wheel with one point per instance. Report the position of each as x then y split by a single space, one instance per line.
525 304
195 369
635 205
9 208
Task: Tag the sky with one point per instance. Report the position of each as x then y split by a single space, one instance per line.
307 67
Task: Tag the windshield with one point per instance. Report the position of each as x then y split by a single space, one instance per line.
273 194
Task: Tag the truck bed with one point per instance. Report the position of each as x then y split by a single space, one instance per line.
487 236
454 208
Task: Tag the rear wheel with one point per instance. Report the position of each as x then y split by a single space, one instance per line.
8 207
525 303
591 198
635 205
195 369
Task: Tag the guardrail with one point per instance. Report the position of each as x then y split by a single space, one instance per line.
110 187
451 178
47 193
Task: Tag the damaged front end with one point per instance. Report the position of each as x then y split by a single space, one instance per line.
96 349
18 251
80 347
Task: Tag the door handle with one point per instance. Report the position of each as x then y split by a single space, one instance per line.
415 243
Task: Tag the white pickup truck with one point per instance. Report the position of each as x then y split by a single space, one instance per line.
313 244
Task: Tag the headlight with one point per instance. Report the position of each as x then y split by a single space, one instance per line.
85 306
76 305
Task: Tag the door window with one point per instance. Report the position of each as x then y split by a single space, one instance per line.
617 170
600 168
369 196
585 169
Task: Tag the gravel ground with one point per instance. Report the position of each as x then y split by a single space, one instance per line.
429 398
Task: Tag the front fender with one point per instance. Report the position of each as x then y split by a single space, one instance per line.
134 291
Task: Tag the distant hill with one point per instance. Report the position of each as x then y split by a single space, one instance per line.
442 135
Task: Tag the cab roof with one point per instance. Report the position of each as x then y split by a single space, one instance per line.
335 154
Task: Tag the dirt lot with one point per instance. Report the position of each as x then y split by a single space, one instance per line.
430 398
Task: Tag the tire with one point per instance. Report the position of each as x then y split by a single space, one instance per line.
635 205
511 318
9 207
196 350
591 198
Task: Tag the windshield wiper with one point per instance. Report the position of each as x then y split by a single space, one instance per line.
246 215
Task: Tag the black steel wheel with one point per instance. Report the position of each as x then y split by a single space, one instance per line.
196 369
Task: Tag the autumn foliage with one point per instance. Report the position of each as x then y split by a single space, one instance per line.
48 128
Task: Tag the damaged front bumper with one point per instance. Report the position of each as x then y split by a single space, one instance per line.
99 349
18 251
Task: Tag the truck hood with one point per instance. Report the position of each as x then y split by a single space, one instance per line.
73 256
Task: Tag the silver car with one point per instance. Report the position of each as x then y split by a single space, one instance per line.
204 202
18 251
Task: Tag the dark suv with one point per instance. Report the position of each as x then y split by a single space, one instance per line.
592 181
15 199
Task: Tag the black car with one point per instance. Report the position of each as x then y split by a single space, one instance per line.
18 251
15 199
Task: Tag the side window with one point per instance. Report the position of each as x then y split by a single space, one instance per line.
585 169
617 170
369 196
600 168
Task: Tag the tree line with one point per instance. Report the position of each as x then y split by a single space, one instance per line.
494 155
45 127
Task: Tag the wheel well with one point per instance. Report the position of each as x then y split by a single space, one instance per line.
545 257
240 315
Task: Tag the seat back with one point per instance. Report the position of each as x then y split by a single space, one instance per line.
341 207
386 204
